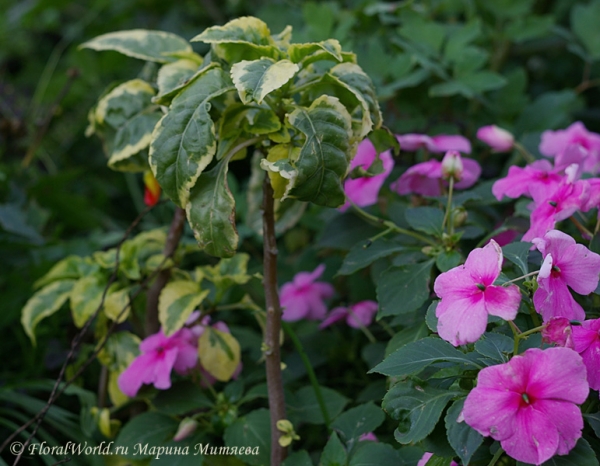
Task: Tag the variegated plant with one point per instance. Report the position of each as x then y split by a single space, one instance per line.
304 107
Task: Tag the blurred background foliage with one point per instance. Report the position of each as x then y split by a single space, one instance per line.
440 66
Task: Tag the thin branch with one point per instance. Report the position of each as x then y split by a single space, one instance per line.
273 325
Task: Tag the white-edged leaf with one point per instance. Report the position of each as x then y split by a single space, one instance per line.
86 297
177 301
255 79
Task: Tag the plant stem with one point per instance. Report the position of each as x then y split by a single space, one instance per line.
390 225
524 152
447 214
273 324
309 370
521 277
496 457
152 324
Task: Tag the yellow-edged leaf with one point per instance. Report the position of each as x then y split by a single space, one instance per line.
177 301
219 353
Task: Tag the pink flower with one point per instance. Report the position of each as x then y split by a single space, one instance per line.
497 138
569 197
363 191
441 143
368 437
427 456
304 297
160 355
530 403
535 180
468 295
566 263
358 315
425 178
554 143
586 340
452 166
558 330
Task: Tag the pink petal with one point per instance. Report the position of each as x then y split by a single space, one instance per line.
567 420
412 142
491 411
553 299
470 174
294 309
361 314
580 269
586 334
502 301
140 371
336 314
445 143
163 367
497 138
422 178
484 264
456 283
461 321
153 342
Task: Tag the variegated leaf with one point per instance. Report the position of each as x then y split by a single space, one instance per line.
219 353
177 301
184 142
256 79
173 77
157 46
86 297
329 49
131 142
116 304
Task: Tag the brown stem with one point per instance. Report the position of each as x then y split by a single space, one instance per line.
273 325
152 324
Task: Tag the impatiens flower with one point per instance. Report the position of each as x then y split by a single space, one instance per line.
151 189
368 437
304 297
452 166
530 403
425 178
497 138
160 355
536 180
468 295
363 191
558 330
566 264
554 143
427 456
586 341
358 315
441 143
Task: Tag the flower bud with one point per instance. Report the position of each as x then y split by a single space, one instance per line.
452 165
186 428
151 189
497 138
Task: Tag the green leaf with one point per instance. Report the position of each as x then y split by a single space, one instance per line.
150 428
182 398
426 219
256 79
309 53
414 357
317 174
359 420
447 260
253 430
116 304
298 458
120 350
495 346
157 46
460 38
403 289
462 437
378 454
418 409
518 253
578 456
584 23
351 77
529 27
44 303
362 255
334 453
482 81
304 407
177 301
86 297
184 142
549 111
131 141
71 267
594 421
211 212
173 76
407 335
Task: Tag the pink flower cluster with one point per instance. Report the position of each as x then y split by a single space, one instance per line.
557 191
161 355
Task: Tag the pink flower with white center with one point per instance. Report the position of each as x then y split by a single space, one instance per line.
536 180
554 143
452 166
303 298
530 403
586 341
363 191
427 456
566 264
426 178
358 315
441 143
469 295
497 138
160 355
569 197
